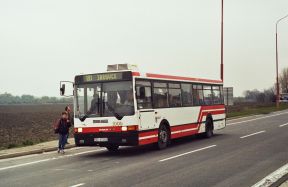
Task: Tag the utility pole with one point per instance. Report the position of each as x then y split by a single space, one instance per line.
277 67
222 40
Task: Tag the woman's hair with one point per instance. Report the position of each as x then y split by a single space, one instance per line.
64 113
66 108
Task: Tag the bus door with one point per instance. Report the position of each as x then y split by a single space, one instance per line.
147 119
144 104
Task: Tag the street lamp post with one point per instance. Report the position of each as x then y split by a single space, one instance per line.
277 76
222 39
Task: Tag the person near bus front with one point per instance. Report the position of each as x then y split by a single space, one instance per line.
62 130
128 99
94 106
127 102
69 120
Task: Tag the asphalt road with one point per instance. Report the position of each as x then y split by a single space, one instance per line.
242 154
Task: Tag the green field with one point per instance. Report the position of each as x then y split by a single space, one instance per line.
240 111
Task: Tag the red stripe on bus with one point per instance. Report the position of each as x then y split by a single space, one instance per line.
182 134
159 76
148 133
135 74
183 127
217 112
203 113
148 141
100 129
212 107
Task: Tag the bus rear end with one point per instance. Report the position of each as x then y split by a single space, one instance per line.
105 110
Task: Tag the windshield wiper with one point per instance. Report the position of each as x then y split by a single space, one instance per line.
118 116
83 117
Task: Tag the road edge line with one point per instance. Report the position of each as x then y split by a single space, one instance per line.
273 177
263 117
32 152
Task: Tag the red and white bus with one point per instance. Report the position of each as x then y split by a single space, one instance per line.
124 107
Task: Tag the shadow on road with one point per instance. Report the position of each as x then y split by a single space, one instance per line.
148 149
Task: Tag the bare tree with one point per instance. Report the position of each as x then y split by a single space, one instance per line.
283 80
265 96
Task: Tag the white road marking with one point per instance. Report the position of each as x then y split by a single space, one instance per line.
252 134
283 125
273 177
48 159
176 156
264 117
77 185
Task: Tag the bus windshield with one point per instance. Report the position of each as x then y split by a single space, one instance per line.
105 99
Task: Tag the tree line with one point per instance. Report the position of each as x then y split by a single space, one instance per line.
267 95
7 98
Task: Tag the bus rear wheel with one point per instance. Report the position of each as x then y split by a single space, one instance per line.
112 148
209 128
163 137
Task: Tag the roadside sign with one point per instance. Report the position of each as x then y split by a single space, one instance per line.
228 96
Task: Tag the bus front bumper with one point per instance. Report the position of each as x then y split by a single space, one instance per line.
106 138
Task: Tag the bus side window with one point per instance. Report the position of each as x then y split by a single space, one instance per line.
198 98
187 94
143 93
216 95
221 95
160 95
208 95
175 96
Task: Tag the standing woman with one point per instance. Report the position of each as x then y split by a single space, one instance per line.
63 129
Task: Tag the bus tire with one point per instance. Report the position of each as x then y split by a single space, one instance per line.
209 128
112 148
163 137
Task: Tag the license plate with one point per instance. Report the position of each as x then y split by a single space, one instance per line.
100 139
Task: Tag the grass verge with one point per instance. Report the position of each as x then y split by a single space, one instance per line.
255 110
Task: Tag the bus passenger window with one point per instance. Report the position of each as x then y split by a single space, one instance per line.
216 95
143 93
187 94
160 95
175 99
222 94
208 95
198 95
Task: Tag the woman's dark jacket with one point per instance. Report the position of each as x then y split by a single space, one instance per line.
63 127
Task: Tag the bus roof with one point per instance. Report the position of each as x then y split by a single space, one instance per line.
152 76
176 78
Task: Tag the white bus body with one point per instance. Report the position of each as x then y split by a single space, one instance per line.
189 115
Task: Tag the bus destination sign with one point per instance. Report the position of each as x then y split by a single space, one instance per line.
103 77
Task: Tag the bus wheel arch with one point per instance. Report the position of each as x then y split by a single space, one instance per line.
209 126
164 135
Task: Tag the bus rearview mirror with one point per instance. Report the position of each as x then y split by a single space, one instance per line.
66 86
62 90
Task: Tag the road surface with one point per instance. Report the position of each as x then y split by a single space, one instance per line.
243 153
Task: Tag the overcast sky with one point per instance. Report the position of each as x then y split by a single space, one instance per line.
43 42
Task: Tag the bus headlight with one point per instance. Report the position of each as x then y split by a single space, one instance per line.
129 128
80 130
